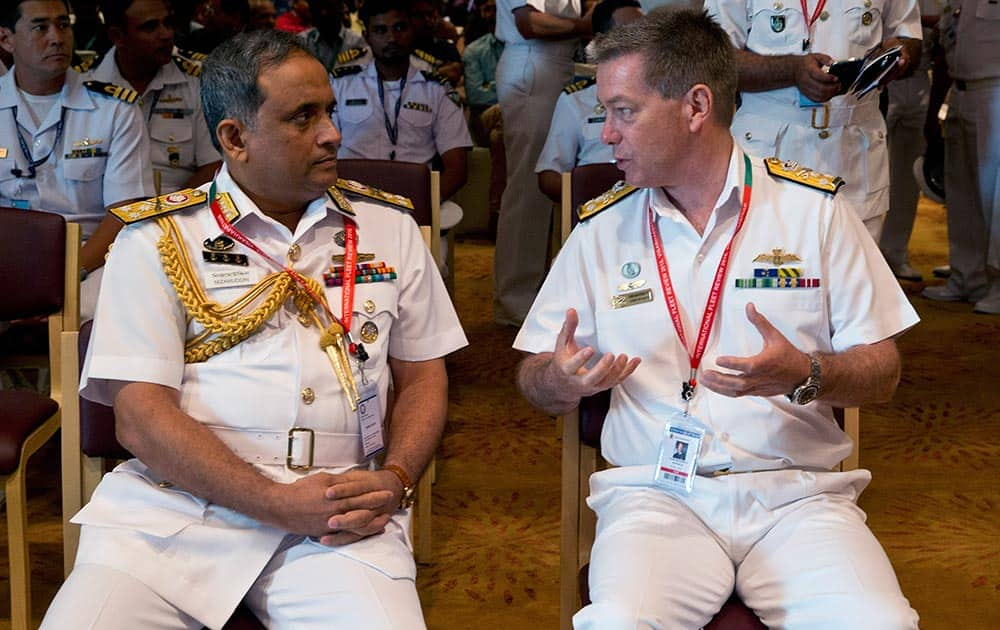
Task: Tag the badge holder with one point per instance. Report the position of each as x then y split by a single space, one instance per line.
370 416
680 449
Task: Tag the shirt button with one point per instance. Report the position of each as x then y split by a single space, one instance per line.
294 252
748 136
824 134
700 257
824 16
308 395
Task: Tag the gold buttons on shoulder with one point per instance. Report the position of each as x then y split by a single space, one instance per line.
294 252
824 134
308 395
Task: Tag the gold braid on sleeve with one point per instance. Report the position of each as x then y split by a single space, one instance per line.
224 325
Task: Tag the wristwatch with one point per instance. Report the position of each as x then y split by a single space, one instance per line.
408 488
808 389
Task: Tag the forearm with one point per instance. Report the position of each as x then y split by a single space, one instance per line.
534 24
96 248
760 73
418 415
861 375
550 183
151 425
454 172
537 382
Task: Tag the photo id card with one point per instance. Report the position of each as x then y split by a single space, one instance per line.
370 419
677 465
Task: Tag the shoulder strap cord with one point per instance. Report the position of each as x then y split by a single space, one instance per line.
224 327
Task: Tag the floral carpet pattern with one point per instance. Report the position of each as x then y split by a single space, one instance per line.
934 452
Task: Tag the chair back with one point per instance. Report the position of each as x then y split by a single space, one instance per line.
32 263
409 179
97 421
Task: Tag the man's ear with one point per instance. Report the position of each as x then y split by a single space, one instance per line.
7 39
699 102
232 139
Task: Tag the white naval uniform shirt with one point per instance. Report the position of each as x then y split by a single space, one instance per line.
365 57
506 28
857 302
575 133
429 122
971 40
203 557
321 48
78 188
772 123
180 141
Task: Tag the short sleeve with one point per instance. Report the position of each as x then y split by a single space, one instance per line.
732 17
563 142
127 173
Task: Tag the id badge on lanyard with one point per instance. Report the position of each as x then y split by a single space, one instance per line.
370 420
680 449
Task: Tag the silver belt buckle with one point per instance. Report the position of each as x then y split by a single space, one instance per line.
312 448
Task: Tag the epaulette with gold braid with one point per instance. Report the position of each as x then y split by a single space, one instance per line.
340 200
449 89
576 86
159 206
349 55
357 188
189 67
193 55
602 202
128 95
345 71
82 63
429 58
794 172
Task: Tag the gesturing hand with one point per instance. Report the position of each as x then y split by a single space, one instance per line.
568 371
775 370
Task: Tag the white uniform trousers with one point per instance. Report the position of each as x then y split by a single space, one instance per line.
530 77
302 586
972 184
806 562
905 134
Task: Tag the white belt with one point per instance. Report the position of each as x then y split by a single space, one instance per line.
298 448
823 117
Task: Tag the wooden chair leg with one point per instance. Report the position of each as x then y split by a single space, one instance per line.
423 512
17 541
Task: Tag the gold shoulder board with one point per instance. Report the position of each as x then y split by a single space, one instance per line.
188 66
161 206
357 188
604 201
128 95
190 54
340 201
429 58
792 171
576 86
350 54
345 71
83 64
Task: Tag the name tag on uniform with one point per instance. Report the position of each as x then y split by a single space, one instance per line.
624 300
356 101
224 279
370 420
596 120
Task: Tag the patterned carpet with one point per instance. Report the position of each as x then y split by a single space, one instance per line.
934 452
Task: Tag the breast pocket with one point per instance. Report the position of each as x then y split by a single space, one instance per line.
355 110
416 114
10 186
864 22
375 310
759 133
776 31
633 330
798 314
83 170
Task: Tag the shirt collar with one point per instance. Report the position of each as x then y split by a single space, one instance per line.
73 95
726 205
109 72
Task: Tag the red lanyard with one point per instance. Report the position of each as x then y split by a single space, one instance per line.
350 259
810 20
712 306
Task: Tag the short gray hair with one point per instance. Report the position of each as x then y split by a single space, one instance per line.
230 75
679 49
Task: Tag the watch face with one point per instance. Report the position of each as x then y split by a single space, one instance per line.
806 394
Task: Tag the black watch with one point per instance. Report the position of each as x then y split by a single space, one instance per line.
807 390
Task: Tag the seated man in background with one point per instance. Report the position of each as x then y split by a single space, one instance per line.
575 132
262 15
480 60
387 109
328 36
67 146
256 428
170 94
728 303
441 54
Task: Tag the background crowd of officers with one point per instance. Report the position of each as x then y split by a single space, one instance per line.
103 108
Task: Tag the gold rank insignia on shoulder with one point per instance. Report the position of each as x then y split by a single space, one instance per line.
357 188
793 171
777 257
189 67
576 86
128 95
604 201
429 58
350 55
190 54
341 202
83 62
345 71
159 206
